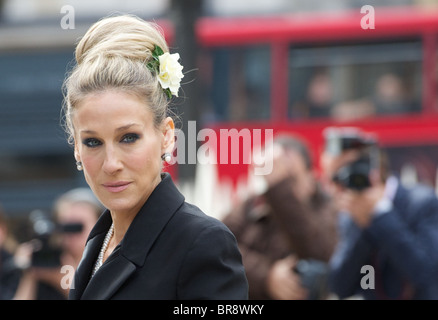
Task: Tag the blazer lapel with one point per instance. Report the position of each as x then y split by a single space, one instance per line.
151 220
83 272
89 256
139 239
109 278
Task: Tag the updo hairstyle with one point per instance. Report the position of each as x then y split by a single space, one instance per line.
113 54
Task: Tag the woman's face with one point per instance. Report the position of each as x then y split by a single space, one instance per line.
120 148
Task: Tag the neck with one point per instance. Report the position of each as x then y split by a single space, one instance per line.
123 219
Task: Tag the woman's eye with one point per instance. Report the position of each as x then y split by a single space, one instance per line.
91 142
130 138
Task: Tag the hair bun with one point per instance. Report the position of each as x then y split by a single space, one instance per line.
116 53
123 36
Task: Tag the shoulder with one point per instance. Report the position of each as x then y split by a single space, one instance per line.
418 195
196 231
211 265
192 218
423 192
417 202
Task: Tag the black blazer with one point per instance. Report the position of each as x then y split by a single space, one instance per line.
172 250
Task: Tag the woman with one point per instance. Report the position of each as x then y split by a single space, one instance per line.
149 243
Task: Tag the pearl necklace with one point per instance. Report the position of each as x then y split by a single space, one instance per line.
105 243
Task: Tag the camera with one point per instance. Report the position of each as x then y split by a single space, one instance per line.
314 277
354 175
46 250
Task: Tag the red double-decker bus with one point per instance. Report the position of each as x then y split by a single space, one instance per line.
297 73
302 73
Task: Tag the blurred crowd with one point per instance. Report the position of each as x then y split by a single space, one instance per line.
33 270
349 230
353 231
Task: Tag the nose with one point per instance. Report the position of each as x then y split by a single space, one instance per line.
112 163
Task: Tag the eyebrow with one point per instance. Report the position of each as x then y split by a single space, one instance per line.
122 128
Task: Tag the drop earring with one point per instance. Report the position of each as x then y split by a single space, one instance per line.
79 165
166 157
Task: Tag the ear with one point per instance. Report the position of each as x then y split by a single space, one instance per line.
77 156
168 130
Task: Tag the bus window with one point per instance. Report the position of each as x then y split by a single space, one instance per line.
238 85
347 82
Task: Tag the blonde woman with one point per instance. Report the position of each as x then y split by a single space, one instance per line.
149 243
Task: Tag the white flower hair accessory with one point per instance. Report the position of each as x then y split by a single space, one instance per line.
168 70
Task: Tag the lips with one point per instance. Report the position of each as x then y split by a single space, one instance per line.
117 186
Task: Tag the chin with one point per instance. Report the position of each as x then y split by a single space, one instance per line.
117 203
120 205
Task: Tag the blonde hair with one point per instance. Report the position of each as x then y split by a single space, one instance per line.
113 54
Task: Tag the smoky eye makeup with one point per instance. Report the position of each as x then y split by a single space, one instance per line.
91 142
124 138
130 138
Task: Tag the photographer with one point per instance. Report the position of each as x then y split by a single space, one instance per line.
287 231
9 275
59 241
390 229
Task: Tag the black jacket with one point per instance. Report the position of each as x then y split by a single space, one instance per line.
400 246
172 250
